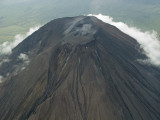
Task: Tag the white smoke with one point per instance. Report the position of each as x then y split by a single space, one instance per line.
6 47
85 29
148 40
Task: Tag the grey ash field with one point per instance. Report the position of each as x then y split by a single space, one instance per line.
79 69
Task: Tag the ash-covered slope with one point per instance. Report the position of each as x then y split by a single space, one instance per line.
79 69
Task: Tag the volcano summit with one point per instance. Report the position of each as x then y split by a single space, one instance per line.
79 68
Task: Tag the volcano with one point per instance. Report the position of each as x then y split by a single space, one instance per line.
79 68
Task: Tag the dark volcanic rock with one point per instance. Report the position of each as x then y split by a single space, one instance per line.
80 69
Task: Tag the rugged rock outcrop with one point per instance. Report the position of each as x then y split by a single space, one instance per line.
79 68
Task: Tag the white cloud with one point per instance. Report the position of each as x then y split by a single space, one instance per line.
6 47
148 40
1 79
24 57
5 60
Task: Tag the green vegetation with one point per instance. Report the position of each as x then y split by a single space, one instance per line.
17 17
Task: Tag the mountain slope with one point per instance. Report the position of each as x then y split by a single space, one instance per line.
79 69
17 16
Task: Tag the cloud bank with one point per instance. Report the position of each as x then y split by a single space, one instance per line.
6 47
148 40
